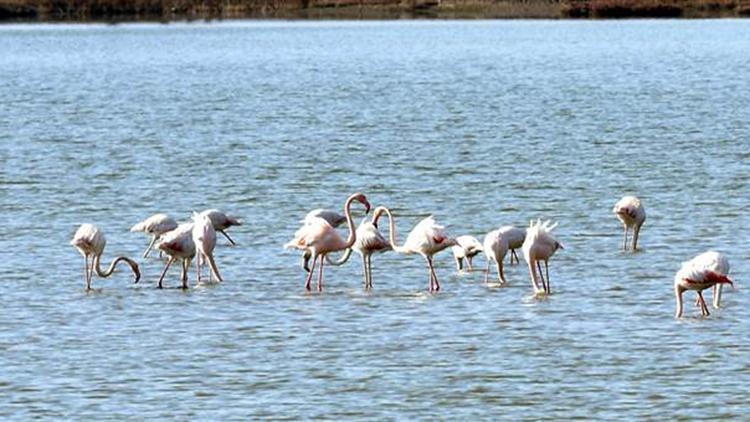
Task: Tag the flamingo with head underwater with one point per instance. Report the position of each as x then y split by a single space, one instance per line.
319 238
90 242
178 244
466 247
632 214
427 238
156 226
539 246
708 269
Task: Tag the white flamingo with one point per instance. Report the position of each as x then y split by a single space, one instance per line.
369 241
221 222
427 238
90 242
332 217
320 238
631 213
495 247
466 247
178 244
515 237
539 246
704 271
204 237
156 225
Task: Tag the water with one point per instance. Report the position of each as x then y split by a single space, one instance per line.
478 123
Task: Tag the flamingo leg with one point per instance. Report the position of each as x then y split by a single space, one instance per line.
86 277
487 273
369 270
364 268
546 271
198 266
184 275
532 275
704 308
636 232
514 254
625 241
320 275
310 274
227 236
544 282
150 245
434 276
164 272
501 275
459 264
469 259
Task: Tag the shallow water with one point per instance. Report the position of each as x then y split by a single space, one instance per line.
479 123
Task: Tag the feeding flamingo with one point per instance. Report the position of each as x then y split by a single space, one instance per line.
538 246
178 244
156 225
332 217
90 241
495 247
700 273
466 247
221 222
426 238
515 237
204 237
320 238
631 213
369 241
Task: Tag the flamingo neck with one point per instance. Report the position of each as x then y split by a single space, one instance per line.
391 229
97 266
350 223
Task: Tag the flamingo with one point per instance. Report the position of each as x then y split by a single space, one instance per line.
221 222
178 244
332 217
539 245
703 271
631 213
90 241
466 247
515 237
495 247
156 225
369 241
320 238
427 238
204 237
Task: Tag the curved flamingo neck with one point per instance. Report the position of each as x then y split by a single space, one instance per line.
391 229
97 266
350 222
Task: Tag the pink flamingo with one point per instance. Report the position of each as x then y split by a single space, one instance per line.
90 241
320 238
369 241
204 237
631 213
495 249
539 245
332 217
426 238
466 247
705 270
515 237
156 225
178 244
221 222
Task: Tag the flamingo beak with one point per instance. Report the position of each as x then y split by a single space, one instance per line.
367 207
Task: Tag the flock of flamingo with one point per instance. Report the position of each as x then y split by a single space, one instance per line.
318 239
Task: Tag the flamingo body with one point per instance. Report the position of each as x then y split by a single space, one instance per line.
515 237
706 270
369 242
204 237
539 246
495 248
178 244
630 211
466 247
156 225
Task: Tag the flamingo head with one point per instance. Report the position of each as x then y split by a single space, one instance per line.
361 198
379 211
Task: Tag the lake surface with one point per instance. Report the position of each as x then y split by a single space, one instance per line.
479 123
